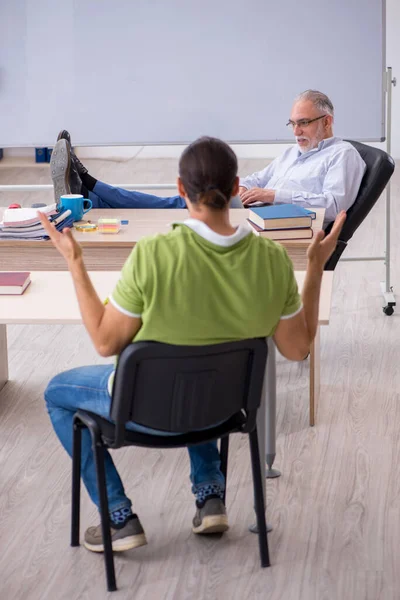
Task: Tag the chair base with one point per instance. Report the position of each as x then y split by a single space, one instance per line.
272 473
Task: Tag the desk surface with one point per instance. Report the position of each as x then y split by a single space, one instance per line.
50 298
143 222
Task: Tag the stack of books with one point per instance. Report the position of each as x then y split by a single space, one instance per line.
282 221
24 223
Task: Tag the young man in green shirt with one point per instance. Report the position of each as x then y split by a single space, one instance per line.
204 282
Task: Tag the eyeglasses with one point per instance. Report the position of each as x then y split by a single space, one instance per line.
303 123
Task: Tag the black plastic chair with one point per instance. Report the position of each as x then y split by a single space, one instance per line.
180 389
380 167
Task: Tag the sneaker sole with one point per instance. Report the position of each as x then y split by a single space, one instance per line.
126 543
59 168
212 524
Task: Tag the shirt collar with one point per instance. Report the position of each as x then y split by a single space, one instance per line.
322 144
208 234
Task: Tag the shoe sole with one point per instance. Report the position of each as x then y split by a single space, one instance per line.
59 168
126 543
212 524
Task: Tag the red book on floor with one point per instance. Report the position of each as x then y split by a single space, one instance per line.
14 283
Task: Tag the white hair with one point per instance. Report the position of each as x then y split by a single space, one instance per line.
320 101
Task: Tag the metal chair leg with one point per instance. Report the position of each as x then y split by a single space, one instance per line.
76 482
224 451
259 498
98 450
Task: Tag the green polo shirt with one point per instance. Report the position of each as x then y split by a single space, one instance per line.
193 286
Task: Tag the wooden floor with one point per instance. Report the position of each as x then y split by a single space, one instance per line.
335 510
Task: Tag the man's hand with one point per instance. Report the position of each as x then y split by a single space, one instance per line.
64 241
257 195
321 248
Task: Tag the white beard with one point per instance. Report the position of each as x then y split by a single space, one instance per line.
304 149
312 142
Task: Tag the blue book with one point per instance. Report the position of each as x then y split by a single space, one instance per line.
281 216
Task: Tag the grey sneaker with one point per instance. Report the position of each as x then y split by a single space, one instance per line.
130 536
211 518
60 164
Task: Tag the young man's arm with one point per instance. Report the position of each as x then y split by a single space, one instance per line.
294 336
110 329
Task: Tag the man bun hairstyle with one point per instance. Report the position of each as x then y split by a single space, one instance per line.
214 198
208 170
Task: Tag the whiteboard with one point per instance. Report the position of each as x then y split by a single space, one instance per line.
167 71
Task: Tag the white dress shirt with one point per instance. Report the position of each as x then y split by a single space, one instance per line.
329 176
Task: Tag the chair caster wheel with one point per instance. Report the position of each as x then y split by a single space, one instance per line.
388 310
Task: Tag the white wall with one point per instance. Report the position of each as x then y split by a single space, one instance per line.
260 150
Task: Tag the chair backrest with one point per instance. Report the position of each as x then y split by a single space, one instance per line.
186 388
380 167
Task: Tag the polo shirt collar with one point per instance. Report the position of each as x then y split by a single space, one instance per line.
208 234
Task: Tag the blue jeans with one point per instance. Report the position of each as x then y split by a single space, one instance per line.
108 196
86 388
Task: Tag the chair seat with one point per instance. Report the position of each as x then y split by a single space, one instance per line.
107 431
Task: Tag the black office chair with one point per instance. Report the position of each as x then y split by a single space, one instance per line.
177 389
380 167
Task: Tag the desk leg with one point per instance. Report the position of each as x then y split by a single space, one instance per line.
3 356
261 430
315 370
270 411
266 418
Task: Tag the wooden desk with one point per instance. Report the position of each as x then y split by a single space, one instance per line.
107 252
50 299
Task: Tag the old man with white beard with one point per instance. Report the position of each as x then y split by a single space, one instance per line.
320 171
